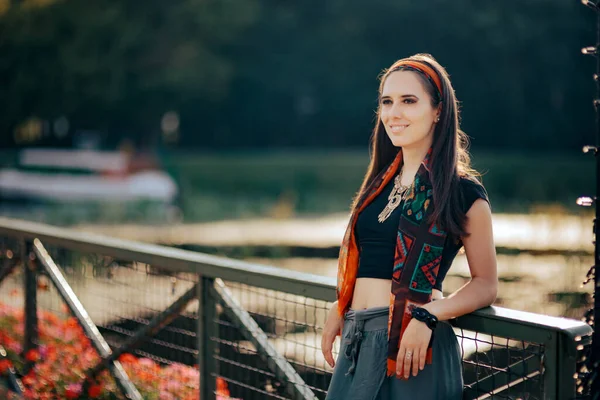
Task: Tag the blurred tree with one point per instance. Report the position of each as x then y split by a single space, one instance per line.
115 66
311 69
259 73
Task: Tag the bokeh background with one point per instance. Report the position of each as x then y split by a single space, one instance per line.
241 127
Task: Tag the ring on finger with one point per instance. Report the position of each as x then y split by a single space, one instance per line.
408 354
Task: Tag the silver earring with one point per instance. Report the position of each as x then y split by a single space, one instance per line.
438 119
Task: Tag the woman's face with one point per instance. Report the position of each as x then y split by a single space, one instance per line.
406 111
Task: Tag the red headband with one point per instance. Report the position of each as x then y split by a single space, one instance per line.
425 69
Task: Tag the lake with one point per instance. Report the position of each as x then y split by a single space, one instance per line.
289 208
542 258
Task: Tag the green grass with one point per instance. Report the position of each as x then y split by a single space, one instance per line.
217 185
318 181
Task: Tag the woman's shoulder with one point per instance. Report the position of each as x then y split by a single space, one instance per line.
471 189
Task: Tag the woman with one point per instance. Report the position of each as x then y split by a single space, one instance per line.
418 205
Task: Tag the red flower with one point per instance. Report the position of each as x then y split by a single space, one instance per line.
72 392
427 248
65 353
222 388
32 355
29 379
94 391
4 366
72 323
52 319
128 358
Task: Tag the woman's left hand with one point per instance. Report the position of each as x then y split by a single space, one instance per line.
413 348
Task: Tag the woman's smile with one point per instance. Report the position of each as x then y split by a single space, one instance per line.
398 128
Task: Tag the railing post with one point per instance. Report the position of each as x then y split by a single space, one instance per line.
206 330
571 343
550 366
30 282
565 377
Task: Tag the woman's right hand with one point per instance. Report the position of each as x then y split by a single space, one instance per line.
333 327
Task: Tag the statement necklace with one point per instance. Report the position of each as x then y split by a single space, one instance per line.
398 194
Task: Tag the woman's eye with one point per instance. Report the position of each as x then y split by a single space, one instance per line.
409 101
386 102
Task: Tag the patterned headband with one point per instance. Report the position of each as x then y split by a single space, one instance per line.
423 68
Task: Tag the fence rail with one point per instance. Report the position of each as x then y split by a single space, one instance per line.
254 328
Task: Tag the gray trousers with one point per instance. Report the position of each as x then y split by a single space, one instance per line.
360 370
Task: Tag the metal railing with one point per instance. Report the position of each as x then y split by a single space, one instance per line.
255 329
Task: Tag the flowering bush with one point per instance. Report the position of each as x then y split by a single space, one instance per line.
64 355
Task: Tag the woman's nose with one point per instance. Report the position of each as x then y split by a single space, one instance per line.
397 110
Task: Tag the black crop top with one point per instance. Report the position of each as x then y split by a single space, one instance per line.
377 241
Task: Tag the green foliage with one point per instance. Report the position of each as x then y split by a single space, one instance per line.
263 73
516 66
115 65
230 185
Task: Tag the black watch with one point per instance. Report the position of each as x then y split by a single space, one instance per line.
421 314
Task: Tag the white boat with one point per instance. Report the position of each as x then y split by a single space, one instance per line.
60 176
84 175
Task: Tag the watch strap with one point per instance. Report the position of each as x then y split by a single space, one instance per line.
421 314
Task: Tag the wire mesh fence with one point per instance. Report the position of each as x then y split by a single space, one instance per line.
501 367
262 343
492 365
121 298
293 325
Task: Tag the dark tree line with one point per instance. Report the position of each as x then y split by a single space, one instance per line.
273 73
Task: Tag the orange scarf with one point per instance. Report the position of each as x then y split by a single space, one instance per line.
418 254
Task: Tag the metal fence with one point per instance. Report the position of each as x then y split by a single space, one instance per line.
248 331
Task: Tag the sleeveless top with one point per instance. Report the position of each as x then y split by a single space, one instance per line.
376 241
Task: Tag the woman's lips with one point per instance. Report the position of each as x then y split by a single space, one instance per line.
398 128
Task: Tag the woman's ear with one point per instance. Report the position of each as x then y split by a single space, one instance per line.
438 113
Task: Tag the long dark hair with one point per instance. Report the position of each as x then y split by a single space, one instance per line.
450 158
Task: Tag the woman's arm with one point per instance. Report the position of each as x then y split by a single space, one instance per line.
333 327
481 290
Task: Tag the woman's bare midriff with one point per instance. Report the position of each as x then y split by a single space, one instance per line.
373 292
